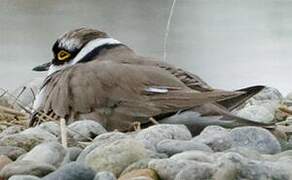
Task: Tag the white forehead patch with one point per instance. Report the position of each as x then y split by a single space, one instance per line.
69 43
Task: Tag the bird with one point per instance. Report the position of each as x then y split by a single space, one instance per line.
94 76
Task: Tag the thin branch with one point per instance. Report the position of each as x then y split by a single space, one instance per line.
167 30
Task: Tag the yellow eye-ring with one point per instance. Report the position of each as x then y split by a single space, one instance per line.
63 55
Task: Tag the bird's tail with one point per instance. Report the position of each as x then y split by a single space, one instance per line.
232 103
210 114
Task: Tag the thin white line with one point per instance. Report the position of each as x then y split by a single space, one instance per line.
167 30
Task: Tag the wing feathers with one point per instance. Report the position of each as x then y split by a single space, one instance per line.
132 90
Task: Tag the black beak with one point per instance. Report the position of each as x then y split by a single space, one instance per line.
43 67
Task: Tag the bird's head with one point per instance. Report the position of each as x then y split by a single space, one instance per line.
76 46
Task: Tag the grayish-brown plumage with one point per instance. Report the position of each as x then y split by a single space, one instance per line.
113 85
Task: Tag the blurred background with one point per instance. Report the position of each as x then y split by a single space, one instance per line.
229 43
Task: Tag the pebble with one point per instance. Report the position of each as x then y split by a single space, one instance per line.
71 171
25 141
216 137
287 155
228 166
257 113
116 156
23 177
39 132
4 160
26 168
246 152
74 152
268 93
28 138
140 164
148 174
101 140
168 168
51 153
155 155
256 138
265 170
85 130
104 175
12 152
151 136
11 130
51 127
194 155
171 147
196 171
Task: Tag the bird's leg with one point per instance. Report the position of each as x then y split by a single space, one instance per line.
63 132
153 120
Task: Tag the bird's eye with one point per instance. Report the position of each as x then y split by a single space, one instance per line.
63 55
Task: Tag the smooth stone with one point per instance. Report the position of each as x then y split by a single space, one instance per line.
72 142
148 174
267 93
39 132
71 171
156 155
141 164
51 127
257 113
246 152
4 160
172 147
194 156
101 140
287 155
270 105
151 136
74 152
116 156
169 168
199 171
11 130
266 170
23 177
216 137
51 153
85 130
256 138
12 152
28 138
25 141
228 165
104 175
234 166
26 168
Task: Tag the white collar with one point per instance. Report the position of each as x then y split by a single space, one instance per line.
84 51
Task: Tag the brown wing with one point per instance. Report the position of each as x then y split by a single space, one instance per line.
132 90
191 80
